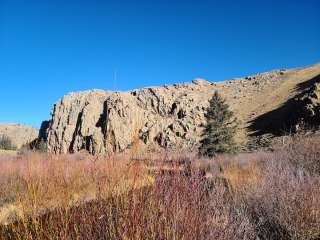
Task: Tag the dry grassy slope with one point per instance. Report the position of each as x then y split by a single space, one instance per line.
19 134
254 96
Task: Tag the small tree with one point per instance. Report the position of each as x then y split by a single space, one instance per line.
218 134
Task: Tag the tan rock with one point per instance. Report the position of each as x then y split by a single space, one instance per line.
169 117
18 133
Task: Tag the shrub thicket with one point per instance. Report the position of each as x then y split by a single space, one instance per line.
261 195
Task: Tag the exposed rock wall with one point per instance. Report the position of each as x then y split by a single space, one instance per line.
307 105
103 121
169 116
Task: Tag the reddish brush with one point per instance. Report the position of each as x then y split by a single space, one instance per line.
273 195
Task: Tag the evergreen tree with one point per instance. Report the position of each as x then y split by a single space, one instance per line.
218 134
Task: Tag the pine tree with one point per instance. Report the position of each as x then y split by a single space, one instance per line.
218 134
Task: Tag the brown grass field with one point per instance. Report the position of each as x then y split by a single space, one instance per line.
261 195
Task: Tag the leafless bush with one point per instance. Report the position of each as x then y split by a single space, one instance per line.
178 205
304 153
285 204
262 195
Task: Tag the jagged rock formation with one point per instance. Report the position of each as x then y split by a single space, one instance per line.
103 121
19 134
169 116
308 105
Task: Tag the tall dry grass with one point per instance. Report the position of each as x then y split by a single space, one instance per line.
34 183
262 195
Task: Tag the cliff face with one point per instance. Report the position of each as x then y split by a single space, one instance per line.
104 121
169 116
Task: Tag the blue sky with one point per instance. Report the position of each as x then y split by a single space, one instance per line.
49 48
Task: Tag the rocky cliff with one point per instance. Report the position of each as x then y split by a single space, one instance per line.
104 121
169 116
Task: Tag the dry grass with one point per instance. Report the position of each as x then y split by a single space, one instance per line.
242 175
168 196
37 183
8 152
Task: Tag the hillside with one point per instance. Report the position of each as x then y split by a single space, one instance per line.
173 116
19 134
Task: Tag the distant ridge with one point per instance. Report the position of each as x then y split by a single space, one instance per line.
20 134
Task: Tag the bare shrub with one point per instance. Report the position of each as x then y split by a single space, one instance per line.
286 202
126 204
262 195
304 153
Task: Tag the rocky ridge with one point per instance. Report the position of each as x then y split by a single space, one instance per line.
168 117
18 133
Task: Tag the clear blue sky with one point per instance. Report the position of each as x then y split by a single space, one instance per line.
49 48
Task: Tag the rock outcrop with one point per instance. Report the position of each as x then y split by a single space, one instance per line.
19 134
103 121
308 108
169 117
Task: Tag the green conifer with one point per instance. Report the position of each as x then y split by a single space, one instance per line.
218 134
